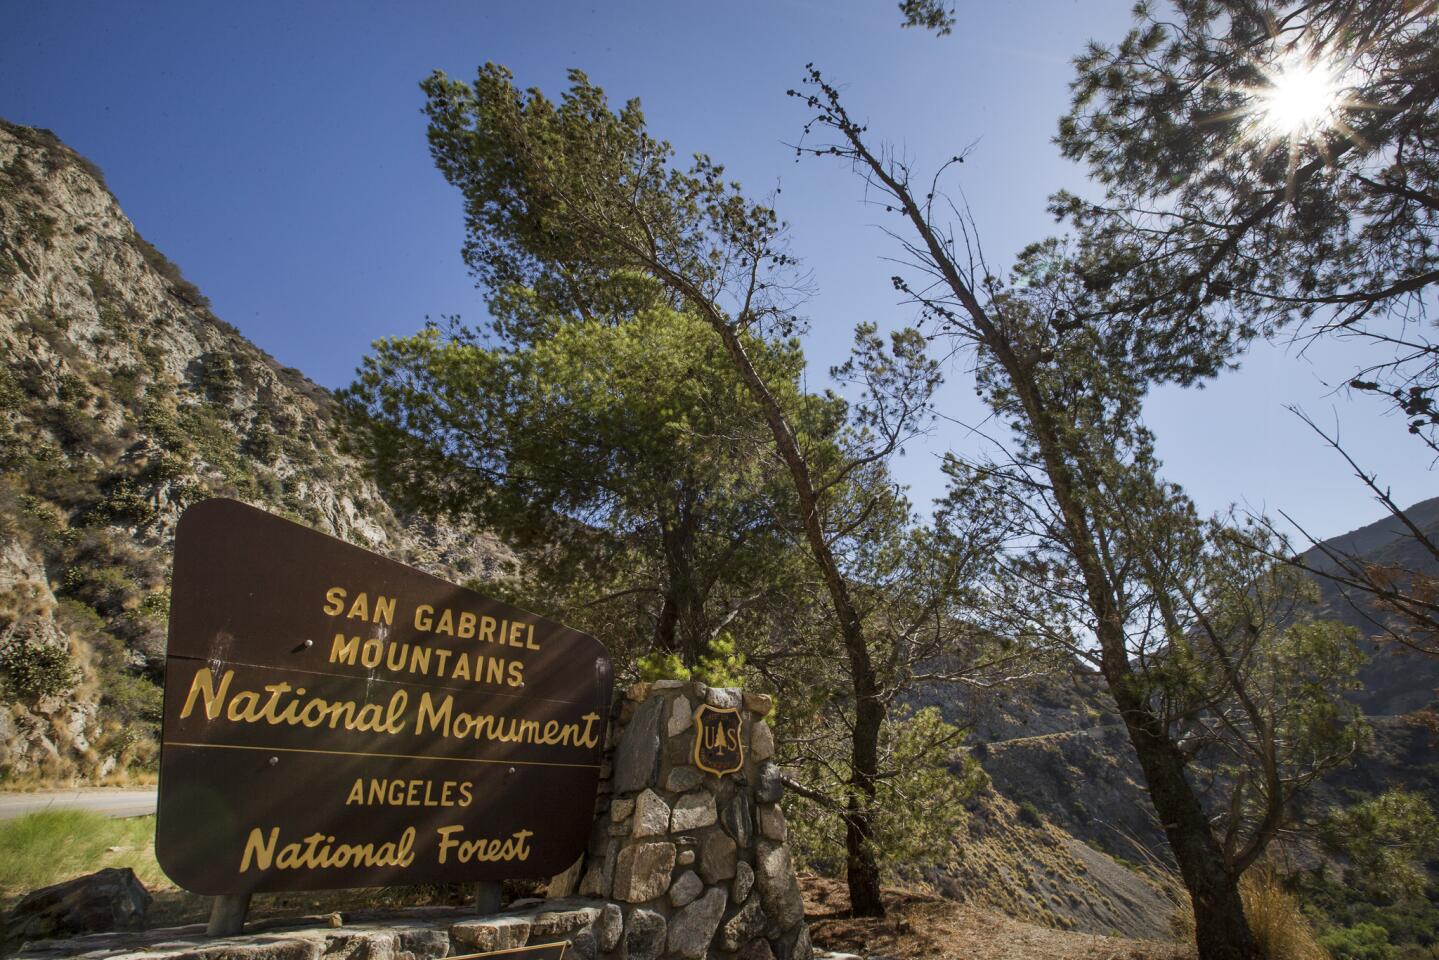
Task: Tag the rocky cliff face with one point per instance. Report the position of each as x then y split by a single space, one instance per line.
123 399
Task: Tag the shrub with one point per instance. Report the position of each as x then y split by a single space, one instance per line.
31 670
1363 941
1029 814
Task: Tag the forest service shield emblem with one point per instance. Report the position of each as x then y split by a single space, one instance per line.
719 748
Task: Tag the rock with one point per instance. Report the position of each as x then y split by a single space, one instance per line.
743 927
743 882
686 888
638 692
692 929
645 935
760 703
638 755
111 899
556 924
757 950
693 811
761 741
652 815
738 822
803 949
642 871
724 698
684 779
581 945
621 810
681 716
778 888
609 927
771 822
659 685
717 858
771 784
491 933
685 858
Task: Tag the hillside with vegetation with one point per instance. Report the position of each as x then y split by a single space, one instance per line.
123 399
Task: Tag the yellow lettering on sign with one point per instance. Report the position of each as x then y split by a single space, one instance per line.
318 852
486 849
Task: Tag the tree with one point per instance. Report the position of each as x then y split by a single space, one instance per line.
616 453
1192 631
574 201
1271 167
1265 167
1387 839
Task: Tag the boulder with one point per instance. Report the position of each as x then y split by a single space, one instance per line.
652 815
681 716
111 899
692 929
642 871
644 935
717 857
738 821
743 927
693 811
771 784
609 927
686 888
743 882
638 756
778 888
684 779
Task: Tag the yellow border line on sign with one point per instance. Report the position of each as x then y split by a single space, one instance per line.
562 944
392 756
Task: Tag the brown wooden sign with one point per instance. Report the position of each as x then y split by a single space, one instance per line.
719 748
335 719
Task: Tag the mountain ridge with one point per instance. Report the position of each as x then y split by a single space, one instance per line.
123 399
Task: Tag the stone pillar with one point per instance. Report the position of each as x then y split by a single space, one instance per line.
695 864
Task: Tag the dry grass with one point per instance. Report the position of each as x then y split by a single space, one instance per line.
1280 927
920 926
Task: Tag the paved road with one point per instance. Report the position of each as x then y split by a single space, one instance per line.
112 802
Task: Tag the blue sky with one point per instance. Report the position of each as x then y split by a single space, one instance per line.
276 152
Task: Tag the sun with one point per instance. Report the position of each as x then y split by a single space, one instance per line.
1301 98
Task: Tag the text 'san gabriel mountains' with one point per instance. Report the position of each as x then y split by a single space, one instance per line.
123 399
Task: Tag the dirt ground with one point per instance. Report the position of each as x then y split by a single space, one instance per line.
925 927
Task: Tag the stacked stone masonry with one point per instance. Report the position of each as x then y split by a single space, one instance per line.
694 864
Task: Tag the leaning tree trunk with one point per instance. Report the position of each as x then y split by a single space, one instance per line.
862 868
1221 929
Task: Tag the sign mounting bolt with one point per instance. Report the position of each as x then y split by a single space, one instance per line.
274 761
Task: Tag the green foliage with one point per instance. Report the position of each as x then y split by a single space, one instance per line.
720 665
1387 839
217 377
1363 941
919 808
662 665
931 15
31 671
635 429
1211 221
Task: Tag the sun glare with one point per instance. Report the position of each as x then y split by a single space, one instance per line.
1302 98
